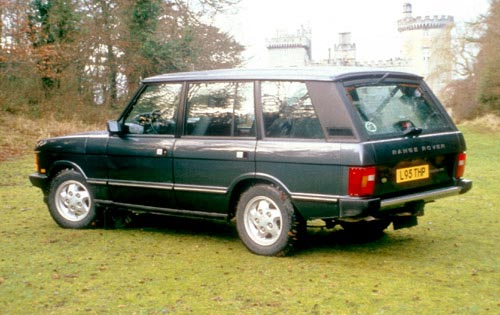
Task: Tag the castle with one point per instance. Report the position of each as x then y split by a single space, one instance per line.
425 43
288 50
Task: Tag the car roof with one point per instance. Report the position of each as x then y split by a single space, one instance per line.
295 74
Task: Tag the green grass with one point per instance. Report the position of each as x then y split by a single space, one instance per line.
448 264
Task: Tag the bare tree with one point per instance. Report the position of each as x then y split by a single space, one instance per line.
488 62
96 51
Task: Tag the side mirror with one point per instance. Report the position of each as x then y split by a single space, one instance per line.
114 127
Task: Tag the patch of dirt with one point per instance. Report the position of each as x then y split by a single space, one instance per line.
8 153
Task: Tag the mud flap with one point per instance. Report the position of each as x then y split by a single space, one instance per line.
404 222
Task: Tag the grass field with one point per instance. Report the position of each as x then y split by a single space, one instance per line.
448 264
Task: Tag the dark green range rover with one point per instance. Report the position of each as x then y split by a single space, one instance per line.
271 148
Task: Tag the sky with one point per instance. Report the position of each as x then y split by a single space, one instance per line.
372 23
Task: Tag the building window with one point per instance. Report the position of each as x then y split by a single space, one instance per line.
426 53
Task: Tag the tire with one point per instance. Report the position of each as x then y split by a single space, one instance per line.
71 203
266 221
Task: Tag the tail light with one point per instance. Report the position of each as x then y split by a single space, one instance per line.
361 181
459 172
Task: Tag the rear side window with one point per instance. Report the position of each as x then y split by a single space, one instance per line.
396 109
288 111
220 109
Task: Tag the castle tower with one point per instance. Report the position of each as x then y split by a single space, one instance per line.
426 45
290 50
407 10
345 50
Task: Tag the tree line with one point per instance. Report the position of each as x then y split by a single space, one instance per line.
476 55
94 52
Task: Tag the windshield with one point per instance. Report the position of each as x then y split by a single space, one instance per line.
396 109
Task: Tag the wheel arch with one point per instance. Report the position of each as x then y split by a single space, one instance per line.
246 182
56 168
65 164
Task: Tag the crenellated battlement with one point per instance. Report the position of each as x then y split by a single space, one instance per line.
283 39
290 48
423 23
393 63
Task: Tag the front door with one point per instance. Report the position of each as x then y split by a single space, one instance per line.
141 159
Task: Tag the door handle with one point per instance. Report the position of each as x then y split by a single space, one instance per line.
241 155
161 151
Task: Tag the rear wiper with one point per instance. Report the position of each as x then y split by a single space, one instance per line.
412 132
378 81
386 101
382 79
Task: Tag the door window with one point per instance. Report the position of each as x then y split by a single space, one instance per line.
155 110
288 111
224 109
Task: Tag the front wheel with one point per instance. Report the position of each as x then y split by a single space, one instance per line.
70 201
266 221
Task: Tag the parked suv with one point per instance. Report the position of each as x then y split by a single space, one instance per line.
271 148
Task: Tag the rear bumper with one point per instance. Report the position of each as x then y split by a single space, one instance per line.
463 186
374 206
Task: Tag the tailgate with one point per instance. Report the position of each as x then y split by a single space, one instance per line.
408 165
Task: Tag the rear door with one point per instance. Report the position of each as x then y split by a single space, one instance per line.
217 147
294 151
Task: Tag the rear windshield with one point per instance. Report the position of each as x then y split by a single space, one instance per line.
397 110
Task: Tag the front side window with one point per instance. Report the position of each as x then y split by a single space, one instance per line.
288 111
155 110
220 109
396 109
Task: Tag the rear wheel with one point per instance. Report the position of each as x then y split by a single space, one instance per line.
266 221
70 201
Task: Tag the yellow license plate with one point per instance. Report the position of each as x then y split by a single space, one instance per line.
409 174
